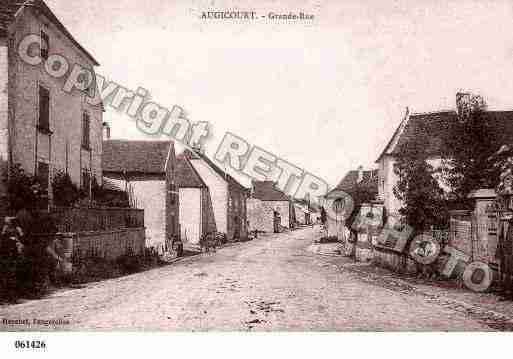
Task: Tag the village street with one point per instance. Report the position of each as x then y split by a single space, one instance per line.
271 283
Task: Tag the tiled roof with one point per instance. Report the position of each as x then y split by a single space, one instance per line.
8 8
266 191
350 180
436 124
135 156
219 171
186 175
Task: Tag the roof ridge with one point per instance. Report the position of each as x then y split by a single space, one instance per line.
433 112
45 9
217 169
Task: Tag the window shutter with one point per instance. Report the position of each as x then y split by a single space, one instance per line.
44 108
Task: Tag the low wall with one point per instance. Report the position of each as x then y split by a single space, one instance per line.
364 250
395 261
104 244
261 214
71 219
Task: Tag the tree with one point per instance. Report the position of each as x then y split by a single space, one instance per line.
65 192
468 146
360 193
417 187
22 189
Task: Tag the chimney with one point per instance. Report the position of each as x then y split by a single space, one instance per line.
360 174
106 131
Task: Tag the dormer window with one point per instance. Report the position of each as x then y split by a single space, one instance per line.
45 45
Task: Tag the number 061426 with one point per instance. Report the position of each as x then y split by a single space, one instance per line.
29 344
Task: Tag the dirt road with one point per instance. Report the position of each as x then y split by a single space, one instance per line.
271 283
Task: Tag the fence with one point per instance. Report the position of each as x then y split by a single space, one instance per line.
69 219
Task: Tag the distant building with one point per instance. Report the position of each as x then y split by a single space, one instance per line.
267 201
362 186
43 128
148 169
196 209
227 194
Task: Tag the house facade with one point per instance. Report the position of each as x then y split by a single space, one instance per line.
196 209
436 124
265 201
148 170
228 196
362 185
42 127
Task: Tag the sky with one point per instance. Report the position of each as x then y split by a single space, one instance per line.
325 95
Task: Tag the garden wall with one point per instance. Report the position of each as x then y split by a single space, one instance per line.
103 244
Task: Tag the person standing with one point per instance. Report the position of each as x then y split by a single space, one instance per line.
276 221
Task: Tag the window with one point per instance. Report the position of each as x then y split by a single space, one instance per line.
44 109
43 173
45 45
86 125
86 181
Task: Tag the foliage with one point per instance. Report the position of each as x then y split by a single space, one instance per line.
23 190
103 197
467 150
503 163
65 192
360 194
417 187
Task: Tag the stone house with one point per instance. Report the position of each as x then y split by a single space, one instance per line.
148 168
436 124
196 210
265 200
228 196
42 127
356 183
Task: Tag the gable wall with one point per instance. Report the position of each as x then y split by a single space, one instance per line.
218 188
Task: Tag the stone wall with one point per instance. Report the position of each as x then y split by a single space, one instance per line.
397 262
260 217
104 244
261 214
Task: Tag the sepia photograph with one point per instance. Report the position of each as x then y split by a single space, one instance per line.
273 166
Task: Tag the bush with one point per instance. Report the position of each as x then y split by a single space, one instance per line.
23 190
29 277
65 192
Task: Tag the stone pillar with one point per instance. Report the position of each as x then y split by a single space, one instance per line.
484 226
